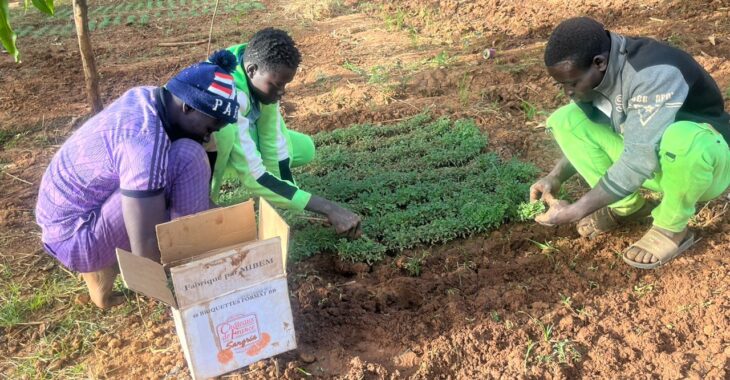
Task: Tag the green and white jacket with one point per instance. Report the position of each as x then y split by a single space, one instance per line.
257 149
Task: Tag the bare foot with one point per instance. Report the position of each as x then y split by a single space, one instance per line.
109 301
639 255
100 285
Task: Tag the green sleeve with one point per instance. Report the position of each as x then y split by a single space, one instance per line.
238 152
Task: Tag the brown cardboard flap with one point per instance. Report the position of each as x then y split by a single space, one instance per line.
271 224
230 269
144 276
194 234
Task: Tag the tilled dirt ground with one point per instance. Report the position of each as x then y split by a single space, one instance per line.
524 301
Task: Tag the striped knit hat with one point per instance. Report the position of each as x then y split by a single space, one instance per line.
208 86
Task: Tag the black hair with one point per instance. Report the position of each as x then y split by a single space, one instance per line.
577 40
272 48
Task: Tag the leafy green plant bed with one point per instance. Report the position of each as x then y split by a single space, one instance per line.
418 182
124 13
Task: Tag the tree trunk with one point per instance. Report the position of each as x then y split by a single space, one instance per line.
87 55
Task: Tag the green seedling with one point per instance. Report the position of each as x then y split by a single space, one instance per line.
303 372
642 289
378 75
394 22
565 352
413 265
676 40
495 316
582 312
529 210
547 247
528 350
545 358
441 60
354 68
567 302
547 331
529 109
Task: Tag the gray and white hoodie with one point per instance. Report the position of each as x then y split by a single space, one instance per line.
648 86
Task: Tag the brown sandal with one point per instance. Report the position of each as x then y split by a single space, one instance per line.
605 220
659 246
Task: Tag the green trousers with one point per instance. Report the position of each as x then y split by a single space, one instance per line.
694 163
301 148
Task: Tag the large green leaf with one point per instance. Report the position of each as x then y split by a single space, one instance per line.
45 6
7 36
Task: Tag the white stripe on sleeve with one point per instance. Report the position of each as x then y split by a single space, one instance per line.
253 158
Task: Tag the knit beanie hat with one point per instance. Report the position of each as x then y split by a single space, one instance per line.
208 86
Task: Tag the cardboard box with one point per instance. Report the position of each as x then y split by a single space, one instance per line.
225 280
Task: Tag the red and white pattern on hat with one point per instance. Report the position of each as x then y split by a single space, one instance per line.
222 85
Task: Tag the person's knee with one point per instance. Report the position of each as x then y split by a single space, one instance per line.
682 137
188 157
303 148
308 151
564 118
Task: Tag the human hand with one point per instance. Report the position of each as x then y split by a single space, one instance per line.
559 212
345 222
544 189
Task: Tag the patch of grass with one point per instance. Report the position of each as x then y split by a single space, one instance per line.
529 110
354 68
6 136
394 21
312 10
18 307
13 309
64 335
441 60
515 68
676 40
378 75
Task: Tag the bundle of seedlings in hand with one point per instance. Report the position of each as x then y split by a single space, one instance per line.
529 210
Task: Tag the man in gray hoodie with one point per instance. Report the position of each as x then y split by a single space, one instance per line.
643 114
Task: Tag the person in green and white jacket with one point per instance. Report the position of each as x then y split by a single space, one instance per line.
259 148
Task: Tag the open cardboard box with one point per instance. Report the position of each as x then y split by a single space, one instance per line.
225 280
